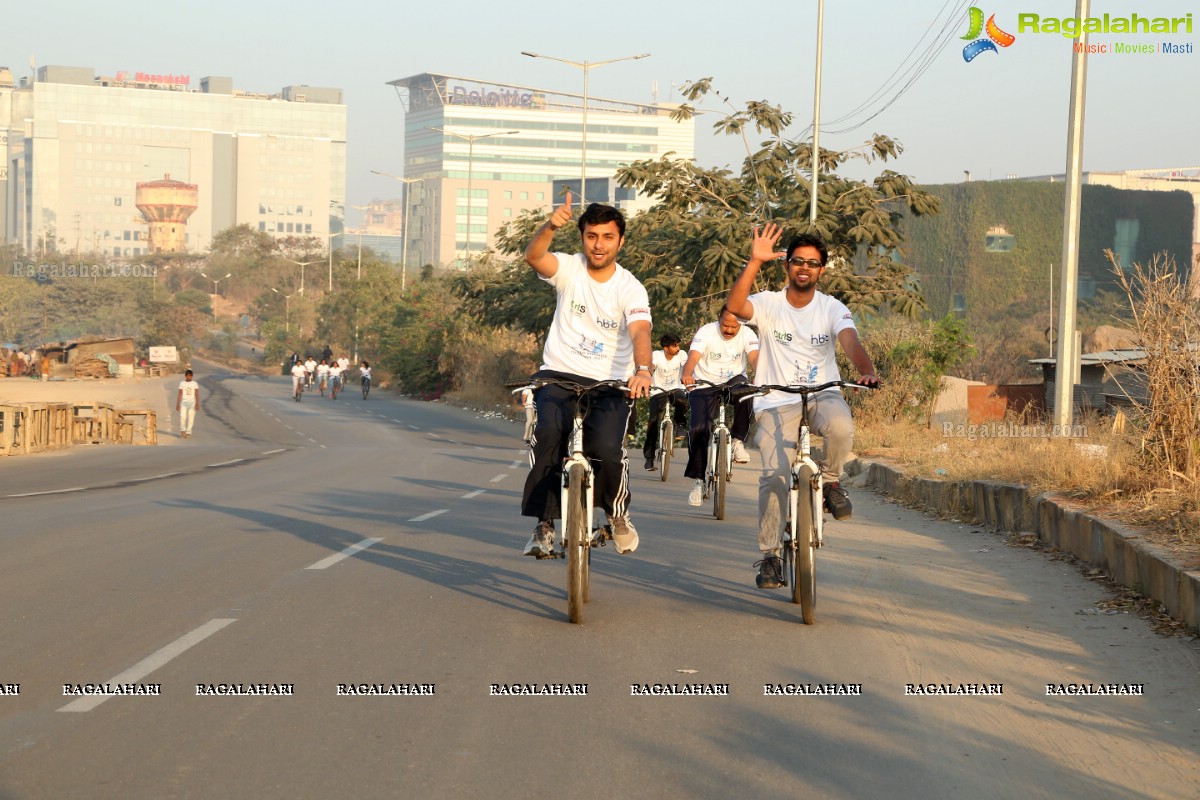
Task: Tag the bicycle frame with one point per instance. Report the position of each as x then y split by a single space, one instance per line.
575 456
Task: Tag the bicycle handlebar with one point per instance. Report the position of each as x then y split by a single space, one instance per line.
756 391
572 386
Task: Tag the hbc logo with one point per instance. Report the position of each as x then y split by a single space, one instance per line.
820 339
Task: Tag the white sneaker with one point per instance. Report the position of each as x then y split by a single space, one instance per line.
541 544
740 456
624 535
696 495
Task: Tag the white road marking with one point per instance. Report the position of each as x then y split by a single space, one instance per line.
499 477
156 477
273 452
227 463
151 662
475 493
517 464
54 491
349 551
430 515
314 441
410 427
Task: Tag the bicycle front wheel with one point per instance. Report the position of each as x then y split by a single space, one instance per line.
366 389
666 445
722 476
575 520
804 589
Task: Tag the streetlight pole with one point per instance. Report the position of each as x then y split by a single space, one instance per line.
403 224
215 282
586 66
364 209
816 149
301 265
471 138
287 320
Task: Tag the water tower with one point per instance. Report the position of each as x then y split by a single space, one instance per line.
166 206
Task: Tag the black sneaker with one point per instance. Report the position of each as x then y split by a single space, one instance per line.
650 465
770 573
837 502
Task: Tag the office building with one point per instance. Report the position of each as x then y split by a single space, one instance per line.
77 146
505 145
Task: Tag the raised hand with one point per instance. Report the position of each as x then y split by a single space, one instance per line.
764 242
562 214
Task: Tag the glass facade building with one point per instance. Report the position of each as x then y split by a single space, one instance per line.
505 145
76 146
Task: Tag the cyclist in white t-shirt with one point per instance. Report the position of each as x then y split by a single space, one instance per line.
310 367
601 331
323 376
722 352
668 376
800 329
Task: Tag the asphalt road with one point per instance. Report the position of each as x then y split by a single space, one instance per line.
234 570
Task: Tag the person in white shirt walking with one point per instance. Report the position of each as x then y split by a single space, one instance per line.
187 403
668 377
723 353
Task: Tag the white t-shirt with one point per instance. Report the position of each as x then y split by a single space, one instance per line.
189 389
335 370
668 372
310 365
721 358
590 333
799 345
344 363
298 372
322 370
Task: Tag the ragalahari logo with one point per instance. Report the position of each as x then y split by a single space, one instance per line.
995 36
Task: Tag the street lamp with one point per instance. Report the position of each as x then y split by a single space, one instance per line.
301 265
216 280
364 209
287 320
471 138
403 224
586 66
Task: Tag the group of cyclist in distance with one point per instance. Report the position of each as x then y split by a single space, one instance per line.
329 374
601 331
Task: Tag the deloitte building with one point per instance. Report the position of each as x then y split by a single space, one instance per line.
84 156
478 153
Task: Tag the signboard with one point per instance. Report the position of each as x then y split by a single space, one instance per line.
163 355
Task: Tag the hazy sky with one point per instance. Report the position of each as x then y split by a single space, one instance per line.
1005 112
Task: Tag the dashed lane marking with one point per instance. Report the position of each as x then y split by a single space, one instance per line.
475 493
430 515
349 551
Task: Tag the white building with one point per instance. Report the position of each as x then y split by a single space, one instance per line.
75 147
504 145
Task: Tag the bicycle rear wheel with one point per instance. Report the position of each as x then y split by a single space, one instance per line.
804 590
721 476
366 389
666 446
574 518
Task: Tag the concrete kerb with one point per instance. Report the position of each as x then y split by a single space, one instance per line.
1119 552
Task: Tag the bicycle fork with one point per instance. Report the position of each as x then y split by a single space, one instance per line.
576 457
814 488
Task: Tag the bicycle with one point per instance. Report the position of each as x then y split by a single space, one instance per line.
720 450
803 532
666 431
297 389
576 535
335 384
366 386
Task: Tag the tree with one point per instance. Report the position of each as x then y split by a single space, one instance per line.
690 247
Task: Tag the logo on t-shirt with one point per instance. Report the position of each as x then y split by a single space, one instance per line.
820 338
578 309
781 337
607 324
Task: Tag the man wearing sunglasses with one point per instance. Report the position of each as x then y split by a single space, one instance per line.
799 329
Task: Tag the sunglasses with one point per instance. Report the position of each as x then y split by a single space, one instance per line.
814 263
